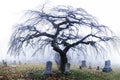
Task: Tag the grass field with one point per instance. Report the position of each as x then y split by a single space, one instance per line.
23 72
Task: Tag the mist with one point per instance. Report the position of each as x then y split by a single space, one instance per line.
106 12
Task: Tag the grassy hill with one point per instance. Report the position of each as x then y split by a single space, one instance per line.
22 72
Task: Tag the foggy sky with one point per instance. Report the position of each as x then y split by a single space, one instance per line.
107 12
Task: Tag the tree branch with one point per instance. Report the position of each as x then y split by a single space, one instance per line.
91 42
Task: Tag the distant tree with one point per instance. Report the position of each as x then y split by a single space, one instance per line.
63 28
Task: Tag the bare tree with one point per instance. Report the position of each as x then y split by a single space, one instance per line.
62 28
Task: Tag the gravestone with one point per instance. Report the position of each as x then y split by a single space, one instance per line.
48 69
90 67
67 68
4 63
14 62
83 63
107 67
98 68
80 67
19 62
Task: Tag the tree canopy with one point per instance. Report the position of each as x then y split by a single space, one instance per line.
61 27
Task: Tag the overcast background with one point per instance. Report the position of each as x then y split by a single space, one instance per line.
107 12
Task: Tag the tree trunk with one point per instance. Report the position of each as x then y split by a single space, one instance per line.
63 62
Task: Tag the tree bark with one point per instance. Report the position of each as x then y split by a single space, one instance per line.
63 62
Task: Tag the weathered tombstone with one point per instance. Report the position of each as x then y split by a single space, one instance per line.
90 67
98 68
67 68
107 67
19 62
80 67
14 62
48 69
4 63
83 63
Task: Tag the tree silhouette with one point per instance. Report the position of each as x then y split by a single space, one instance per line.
64 29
